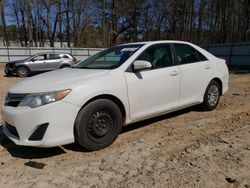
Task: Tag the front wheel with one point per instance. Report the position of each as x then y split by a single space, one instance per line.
7 74
98 124
22 71
211 96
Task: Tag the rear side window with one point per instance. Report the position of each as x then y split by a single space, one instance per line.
54 56
186 54
158 55
65 56
201 56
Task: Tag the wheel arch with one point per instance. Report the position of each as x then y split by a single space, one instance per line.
65 65
23 65
218 80
112 98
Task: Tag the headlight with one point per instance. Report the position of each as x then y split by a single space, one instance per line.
39 99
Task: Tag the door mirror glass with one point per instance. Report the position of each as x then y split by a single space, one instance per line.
139 65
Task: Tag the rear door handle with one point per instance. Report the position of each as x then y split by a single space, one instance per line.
208 66
174 73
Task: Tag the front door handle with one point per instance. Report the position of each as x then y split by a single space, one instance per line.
174 73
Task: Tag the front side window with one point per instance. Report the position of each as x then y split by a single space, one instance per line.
185 53
110 58
159 55
39 58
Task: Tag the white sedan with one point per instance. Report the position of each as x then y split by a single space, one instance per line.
90 102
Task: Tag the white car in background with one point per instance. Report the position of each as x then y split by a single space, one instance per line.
90 102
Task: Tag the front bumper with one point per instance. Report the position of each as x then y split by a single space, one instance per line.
59 118
10 69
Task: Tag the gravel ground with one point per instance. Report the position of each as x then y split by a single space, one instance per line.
188 148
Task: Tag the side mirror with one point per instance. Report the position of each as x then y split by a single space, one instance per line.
140 65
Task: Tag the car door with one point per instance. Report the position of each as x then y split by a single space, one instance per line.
53 61
38 63
156 90
195 70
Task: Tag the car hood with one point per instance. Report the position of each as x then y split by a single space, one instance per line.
18 61
67 78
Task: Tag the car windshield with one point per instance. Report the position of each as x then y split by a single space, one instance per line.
110 58
33 56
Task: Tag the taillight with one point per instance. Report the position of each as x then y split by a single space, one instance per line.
74 60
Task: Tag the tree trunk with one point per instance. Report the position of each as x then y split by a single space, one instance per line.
22 10
6 37
200 20
67 23
29 22
60 23
113 24
15 6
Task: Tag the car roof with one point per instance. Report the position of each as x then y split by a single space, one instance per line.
51 53
157 42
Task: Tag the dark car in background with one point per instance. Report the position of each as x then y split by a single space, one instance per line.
39 63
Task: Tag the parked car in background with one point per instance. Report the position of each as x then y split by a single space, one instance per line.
39 63
90 102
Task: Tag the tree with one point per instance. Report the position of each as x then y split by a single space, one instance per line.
2 9
82 23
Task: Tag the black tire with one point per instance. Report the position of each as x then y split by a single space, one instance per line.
211 101
98 124
64 66
7 74
22 71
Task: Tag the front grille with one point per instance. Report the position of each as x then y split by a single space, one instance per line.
39 132
9 67
12 130
13 99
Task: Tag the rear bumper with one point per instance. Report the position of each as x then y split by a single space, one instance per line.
54 123
225 80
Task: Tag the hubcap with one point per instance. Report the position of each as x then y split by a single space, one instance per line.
100 123
213 95
22 71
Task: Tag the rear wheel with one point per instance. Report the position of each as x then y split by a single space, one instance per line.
98 124
22 71
212 96
64 66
